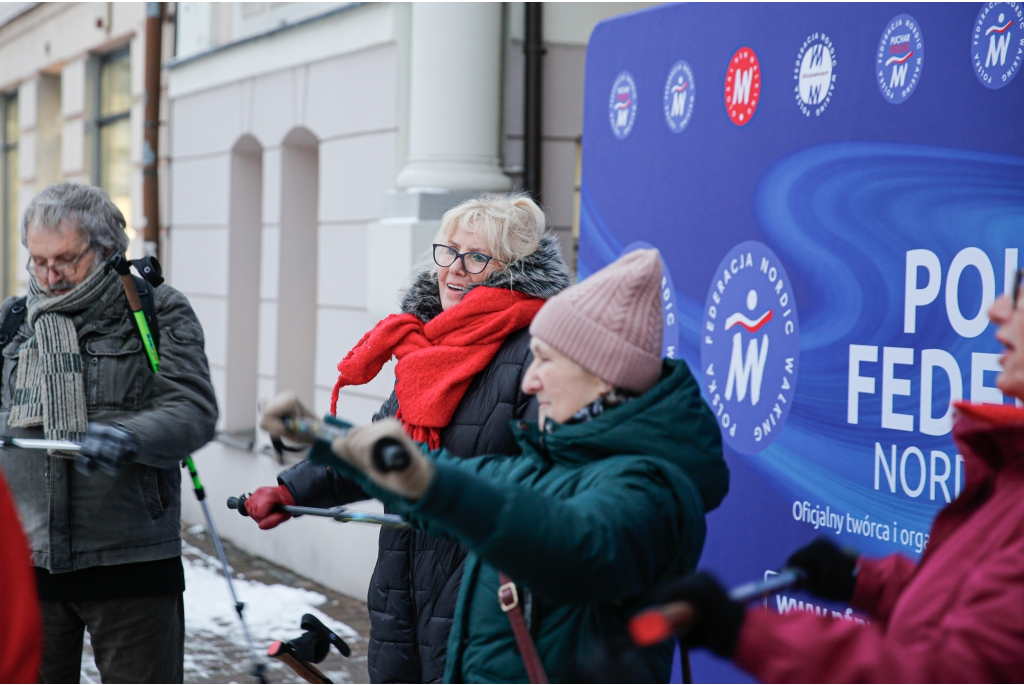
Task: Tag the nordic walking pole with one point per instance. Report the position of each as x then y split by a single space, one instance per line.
339 514
654 625
388 454
123 268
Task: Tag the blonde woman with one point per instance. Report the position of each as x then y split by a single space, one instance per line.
462 344
568 539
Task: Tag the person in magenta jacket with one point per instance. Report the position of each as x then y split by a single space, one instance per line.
956 616
21 627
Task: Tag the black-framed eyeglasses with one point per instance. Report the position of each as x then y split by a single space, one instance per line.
472 262
60 267
1018 281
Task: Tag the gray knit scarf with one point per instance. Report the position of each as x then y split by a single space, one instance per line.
49 391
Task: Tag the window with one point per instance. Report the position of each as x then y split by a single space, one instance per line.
9 220
114 172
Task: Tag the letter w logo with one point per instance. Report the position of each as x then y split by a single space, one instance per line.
741 93
899 75
751 369
997 49
817 52
678 103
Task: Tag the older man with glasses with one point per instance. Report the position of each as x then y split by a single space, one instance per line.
106 547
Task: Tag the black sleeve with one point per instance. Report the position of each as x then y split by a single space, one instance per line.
313 485
388 409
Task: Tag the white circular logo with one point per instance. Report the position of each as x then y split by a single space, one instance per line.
622 105
814 74
750 350
997 43
680 92
899 60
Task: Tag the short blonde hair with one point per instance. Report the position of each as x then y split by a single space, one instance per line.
510 224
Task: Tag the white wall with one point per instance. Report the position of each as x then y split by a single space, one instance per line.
206 25
343 117
338 555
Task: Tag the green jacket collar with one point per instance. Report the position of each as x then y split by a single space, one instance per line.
670 421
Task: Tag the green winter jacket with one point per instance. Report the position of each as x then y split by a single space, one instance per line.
590 518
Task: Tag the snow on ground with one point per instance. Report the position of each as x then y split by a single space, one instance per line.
272 612
213 634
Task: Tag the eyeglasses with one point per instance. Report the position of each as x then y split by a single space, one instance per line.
1018 281
60 267
472 262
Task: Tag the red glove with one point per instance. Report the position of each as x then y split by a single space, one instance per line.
261 504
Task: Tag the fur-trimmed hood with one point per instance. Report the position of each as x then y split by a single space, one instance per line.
541 274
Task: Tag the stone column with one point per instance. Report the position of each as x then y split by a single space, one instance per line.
454 98
454 129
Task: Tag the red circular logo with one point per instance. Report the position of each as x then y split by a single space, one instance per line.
742 86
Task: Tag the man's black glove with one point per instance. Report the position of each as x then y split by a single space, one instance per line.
106 448
717 619
831 570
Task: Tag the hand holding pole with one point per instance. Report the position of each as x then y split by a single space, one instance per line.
678 617
340 514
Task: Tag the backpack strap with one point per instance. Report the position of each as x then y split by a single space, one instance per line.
12 322
148 298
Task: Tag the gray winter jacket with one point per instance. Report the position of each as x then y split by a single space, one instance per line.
75 521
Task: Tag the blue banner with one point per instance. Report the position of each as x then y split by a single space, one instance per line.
837 192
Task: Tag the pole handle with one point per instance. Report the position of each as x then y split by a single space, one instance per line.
785 579
659 623
132 293
239 504
390 455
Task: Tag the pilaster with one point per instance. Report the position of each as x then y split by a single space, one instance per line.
454 98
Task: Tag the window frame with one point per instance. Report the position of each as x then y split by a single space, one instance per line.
8 272
101 121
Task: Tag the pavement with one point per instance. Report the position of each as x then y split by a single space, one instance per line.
276 598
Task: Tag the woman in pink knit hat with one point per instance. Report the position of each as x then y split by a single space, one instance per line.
567 540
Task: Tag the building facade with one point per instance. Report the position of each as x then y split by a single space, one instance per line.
71 100
307 152
314 148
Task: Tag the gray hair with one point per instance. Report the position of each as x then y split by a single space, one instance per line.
86 207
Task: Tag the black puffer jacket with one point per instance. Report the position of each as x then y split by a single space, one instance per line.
415 585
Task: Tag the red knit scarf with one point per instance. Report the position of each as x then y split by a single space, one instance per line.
438 359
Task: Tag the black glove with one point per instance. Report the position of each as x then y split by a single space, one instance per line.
831 570
106 448
717 619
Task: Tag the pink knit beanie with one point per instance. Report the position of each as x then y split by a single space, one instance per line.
611 323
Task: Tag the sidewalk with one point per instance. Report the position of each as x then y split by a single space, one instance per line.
275 599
